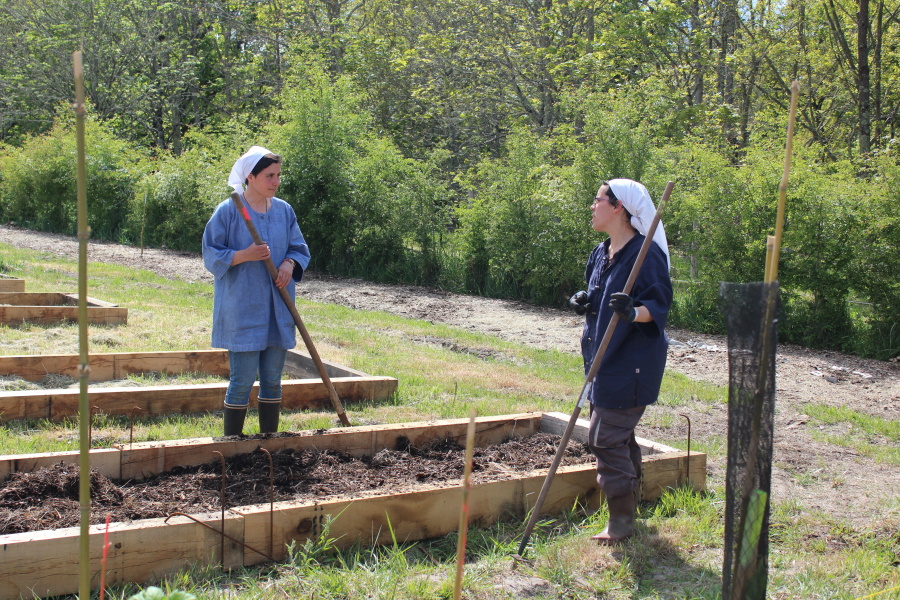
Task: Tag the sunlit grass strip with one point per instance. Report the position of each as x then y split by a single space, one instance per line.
813 555
868 435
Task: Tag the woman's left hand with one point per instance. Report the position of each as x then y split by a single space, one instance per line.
285 272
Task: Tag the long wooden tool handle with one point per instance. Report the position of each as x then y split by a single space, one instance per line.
320 366
592 372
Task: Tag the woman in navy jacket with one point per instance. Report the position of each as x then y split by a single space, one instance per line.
631 372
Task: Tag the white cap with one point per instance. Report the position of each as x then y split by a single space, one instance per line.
635 197
244 165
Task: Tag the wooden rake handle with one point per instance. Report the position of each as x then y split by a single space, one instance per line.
320 366
592 372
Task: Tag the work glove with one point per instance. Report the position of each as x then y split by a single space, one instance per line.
579 302
624 306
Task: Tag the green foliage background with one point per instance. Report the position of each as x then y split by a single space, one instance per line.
459 144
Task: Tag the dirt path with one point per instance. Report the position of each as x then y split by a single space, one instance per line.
818 474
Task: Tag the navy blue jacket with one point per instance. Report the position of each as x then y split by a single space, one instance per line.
632 368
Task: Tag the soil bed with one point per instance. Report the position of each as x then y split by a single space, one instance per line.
48 498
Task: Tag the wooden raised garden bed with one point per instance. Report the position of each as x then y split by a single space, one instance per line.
304 390
52 307
11 284
45 563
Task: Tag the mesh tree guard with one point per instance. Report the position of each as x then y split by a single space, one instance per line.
749 311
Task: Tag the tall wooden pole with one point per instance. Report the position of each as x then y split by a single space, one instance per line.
754 501
772 267
84 412
464 509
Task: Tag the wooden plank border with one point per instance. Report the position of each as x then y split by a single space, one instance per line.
11 284
663 466
116 365
46 563
297 394
46 308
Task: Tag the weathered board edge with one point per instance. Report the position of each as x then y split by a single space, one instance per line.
106 366
50 299
144 459
48 315
297 394
556 423
11 284
46 563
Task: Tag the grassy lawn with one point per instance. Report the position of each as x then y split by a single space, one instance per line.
443 373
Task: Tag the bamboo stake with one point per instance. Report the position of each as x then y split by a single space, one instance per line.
770 247
746 554
320 367
592 372
782 187
464 511
84 421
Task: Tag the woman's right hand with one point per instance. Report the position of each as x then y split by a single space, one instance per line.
251 253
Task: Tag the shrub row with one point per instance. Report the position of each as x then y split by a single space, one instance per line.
519 225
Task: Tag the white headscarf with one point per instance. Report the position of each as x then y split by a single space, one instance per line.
244 165
635 197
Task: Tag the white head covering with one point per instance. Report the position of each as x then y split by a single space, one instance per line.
244 165
635 197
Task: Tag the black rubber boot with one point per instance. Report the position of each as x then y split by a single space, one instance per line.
621 520
269 412
234 419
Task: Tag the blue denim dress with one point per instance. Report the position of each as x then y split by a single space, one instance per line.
248 311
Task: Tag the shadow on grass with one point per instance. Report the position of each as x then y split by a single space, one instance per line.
667 571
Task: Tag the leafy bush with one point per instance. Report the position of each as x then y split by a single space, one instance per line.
364 208
876 260
613 142
39 185
526 234
397 214
171 205
323 122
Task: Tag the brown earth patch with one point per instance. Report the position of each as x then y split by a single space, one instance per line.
48 497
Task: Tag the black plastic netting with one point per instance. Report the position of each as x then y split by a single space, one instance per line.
750 312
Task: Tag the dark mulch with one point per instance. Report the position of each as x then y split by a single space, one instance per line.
48 498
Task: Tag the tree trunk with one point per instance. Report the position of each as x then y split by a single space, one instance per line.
878 120
697 88
863 78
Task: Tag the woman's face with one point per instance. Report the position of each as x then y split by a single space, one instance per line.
266 182
602 211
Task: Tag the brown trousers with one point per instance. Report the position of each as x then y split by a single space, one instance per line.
611 440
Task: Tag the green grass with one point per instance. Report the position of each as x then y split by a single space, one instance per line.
867 435
443 372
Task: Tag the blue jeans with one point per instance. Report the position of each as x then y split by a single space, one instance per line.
245 366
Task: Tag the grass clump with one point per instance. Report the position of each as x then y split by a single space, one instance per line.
868 435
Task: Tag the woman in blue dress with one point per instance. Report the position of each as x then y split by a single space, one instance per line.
631 372
250 318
